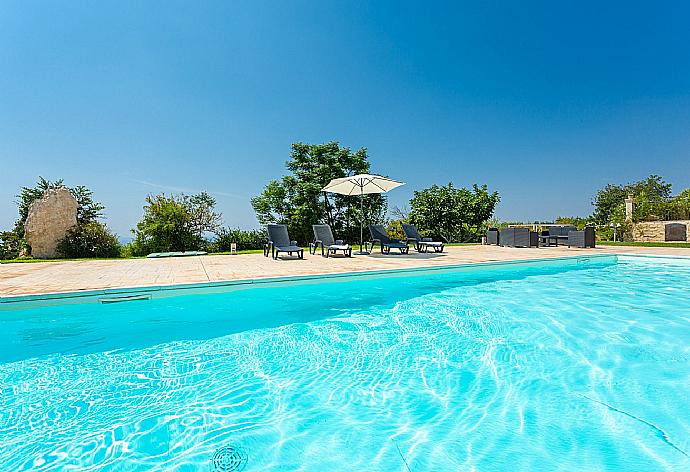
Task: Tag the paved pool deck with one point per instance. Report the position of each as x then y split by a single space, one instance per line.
75 276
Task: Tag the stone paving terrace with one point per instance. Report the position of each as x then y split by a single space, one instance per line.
71 276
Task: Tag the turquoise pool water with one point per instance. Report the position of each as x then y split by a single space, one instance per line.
574 365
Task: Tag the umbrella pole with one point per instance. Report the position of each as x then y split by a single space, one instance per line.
361 221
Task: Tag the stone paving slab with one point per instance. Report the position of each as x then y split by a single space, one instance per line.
72 276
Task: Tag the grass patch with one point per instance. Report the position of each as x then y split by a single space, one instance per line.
31 260
245 251
643 244
355 247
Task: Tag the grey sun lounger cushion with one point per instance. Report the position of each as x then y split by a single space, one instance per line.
379 235
421 244
279 241
323 236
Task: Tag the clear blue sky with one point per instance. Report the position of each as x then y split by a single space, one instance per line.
543 101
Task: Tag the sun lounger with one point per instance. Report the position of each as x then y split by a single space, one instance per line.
379 235
279 241
323 236
421 244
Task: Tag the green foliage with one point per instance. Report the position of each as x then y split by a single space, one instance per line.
10 245
653 202
174 223
617 219
395 230
652 208
92 239
679 206
453 214
246 240
87 211
650 192
129 250
297 200
577 221
607 200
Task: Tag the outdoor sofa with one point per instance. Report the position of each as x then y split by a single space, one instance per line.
518 237
379 235
492 236
279 241
323 236
421 244
556 234
583 238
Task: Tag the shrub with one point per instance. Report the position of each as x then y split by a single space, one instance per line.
394 230
89 240
246 240
453 214
175 223
10 245
128 250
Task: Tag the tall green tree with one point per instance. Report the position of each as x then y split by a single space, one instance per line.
175 223
297 200
453 214
650 194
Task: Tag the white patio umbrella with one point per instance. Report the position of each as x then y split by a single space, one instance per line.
361 184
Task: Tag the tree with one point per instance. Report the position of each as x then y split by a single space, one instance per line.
606 202
175 223
453 214
88 210
679 206
297 200
649 193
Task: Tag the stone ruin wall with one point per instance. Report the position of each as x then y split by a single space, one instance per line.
49 219
655 231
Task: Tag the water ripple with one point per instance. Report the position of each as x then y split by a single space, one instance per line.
461 377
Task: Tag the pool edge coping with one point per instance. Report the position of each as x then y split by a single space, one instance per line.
142 289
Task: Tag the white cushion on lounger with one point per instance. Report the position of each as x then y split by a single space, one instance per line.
339 246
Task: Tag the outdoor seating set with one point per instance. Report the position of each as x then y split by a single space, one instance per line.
555 235
279 241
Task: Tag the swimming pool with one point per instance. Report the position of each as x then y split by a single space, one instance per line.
577 364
